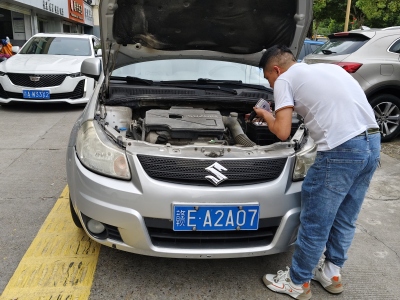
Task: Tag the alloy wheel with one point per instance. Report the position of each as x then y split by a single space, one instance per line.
387 115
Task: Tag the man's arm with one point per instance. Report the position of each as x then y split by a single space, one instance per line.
281 124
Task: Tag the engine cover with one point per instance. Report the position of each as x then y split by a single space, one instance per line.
185 123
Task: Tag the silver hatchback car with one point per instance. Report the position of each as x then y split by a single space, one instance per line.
163 160
372 57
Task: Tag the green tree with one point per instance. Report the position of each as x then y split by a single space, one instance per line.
380 13
334 13
329 15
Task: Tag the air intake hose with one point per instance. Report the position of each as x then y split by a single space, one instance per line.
239 136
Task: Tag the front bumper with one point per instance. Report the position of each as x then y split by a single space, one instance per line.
76 90
125 206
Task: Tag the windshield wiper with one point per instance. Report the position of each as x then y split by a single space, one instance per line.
327 51
206 81
130 79
193 85
178 84
234 82
213 81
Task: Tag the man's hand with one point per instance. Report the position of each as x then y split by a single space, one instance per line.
281 124
260 112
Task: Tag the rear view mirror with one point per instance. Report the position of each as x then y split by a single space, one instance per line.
99 52
91 67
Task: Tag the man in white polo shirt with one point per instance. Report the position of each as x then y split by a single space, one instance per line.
341 122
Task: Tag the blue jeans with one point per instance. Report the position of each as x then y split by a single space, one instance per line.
332 194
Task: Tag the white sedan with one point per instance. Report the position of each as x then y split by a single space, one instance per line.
47 69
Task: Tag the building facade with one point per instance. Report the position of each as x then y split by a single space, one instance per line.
21 19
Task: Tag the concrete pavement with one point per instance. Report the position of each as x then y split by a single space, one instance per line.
371 272
32 147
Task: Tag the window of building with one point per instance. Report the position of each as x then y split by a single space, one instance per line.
41 26
66 28
6 24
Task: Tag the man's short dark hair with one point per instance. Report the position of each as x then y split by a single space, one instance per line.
274 51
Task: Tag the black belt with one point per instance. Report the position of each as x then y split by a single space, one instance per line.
370 131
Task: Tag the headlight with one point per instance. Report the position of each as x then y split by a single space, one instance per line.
73 75
2 73
304 160
97 153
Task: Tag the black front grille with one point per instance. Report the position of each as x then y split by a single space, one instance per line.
45 80
162 235
75 94
193 171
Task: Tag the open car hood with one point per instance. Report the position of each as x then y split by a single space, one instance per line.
235 30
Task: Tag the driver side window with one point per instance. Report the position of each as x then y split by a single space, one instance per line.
96 45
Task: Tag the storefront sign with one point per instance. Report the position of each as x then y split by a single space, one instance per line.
57 7
76 11
88 14
51 7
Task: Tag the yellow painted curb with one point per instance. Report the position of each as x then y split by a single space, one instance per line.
59 264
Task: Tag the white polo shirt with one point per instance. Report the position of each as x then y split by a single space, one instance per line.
332 103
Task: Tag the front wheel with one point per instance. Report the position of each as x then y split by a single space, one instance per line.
387 113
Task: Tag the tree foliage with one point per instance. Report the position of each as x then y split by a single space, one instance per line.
371 13
381 13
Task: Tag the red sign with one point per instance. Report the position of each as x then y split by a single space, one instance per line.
76 11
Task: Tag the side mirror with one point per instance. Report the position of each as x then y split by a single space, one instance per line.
91 67
15 49
99 52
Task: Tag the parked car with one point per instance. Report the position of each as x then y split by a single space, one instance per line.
309 47
372 58
47 69
162 161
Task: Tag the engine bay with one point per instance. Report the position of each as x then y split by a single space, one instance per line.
180 126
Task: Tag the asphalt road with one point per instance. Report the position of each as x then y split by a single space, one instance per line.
32 168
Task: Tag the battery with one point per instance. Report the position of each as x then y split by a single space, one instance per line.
261 135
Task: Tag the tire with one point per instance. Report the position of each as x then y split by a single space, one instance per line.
387 113
74 216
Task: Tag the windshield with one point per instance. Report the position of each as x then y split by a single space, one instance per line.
57 46
193 69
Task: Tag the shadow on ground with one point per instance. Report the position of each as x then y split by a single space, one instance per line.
40 107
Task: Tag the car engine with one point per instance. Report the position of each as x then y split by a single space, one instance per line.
183 125
180 126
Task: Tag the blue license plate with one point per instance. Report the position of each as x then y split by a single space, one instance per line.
36 94
215 217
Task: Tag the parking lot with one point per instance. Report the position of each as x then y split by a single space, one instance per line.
32 147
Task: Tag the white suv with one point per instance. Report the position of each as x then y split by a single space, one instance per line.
47 69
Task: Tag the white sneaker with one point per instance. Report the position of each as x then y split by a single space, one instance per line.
332 285
281 283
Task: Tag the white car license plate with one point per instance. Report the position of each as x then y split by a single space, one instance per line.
215 217
36 94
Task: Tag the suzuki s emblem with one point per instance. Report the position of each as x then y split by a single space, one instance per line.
34 78
218 177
